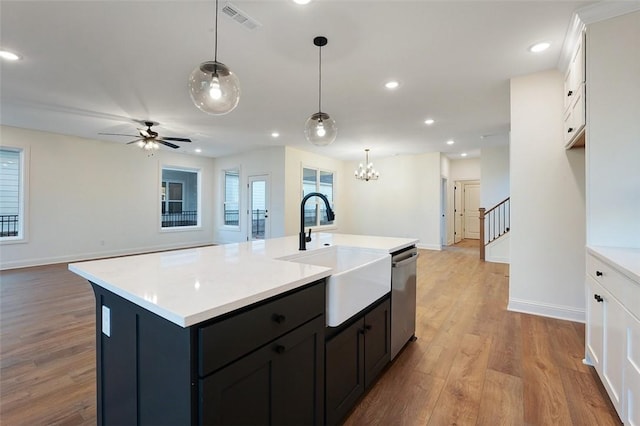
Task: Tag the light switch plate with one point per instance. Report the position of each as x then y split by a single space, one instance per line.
106 320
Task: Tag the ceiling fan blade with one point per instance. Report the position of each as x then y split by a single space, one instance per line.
169 144
134 141
118 134
175 139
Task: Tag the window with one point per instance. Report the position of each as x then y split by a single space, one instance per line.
314 180
12 194
180 198
231 204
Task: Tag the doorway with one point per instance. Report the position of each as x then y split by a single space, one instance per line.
443 212
466 210
258 211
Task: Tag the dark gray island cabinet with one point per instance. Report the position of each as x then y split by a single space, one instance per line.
261 364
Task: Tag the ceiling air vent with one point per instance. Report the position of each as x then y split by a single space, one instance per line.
240 17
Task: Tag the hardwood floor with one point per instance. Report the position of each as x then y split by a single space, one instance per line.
47 348
474 363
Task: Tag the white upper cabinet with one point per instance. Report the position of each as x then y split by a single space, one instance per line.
574 97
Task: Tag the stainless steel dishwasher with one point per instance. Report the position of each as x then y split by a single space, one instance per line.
403 298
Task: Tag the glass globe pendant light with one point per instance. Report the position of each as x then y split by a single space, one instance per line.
213 87
320 129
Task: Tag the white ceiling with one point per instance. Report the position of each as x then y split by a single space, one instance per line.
100 66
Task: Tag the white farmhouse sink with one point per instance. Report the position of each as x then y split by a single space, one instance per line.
359 278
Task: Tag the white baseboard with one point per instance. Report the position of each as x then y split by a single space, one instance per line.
547 310
497 259
94 255
429 246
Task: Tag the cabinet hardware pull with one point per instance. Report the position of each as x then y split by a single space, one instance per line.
278 318
598 298
598 273
570 130
366 329
570 93
280 349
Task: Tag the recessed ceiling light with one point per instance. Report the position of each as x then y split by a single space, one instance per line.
301 1
429 121
198 150
539 47
392 84
9 56
464 154
275 134
450 142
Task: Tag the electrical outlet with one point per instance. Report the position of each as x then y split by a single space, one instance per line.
106 320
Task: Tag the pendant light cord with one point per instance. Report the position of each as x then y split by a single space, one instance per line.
215 51
319 78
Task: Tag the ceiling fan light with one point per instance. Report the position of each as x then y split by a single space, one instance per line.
320 129
214 89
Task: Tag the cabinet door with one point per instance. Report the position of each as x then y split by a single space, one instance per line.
613 342
632 373
594 329
377 343
344 371
279 383
297 390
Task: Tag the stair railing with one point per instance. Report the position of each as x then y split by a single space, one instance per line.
494 223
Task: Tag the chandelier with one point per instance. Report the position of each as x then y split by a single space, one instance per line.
366 171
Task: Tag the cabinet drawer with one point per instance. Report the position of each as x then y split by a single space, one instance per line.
617 284
224 341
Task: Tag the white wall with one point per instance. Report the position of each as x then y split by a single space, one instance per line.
467 169
91 199
613 131
494 164
404 202
547 203
269 161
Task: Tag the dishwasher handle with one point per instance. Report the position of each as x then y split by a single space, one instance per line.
412 258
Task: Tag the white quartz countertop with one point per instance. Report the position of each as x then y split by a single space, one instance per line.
627 259
189 286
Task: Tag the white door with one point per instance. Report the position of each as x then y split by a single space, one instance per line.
258 211
457 213
471 210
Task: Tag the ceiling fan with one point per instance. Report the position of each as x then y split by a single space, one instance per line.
148 139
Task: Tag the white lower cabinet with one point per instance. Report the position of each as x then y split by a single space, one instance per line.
605 340
632 372
613 333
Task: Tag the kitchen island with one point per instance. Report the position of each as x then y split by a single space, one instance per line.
195 336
